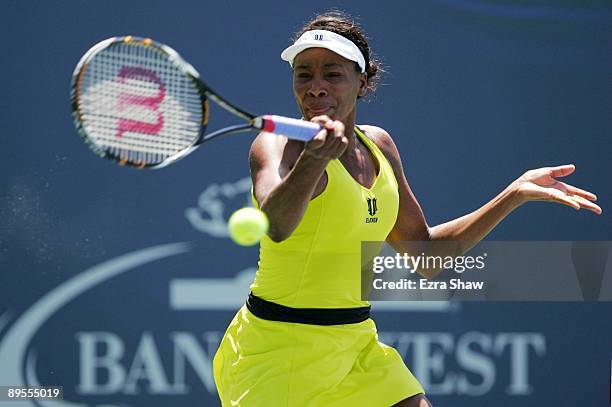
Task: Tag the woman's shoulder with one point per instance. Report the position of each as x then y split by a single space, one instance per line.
381 138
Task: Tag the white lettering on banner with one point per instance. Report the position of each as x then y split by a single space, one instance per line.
519 344
444 363
146 366
89 363
430 352
475 362
187 349
432 356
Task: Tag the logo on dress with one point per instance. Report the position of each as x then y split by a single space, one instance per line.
372 206
372 209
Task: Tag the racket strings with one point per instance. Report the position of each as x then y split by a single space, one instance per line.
138 105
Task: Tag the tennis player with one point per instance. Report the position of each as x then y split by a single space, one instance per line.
304 336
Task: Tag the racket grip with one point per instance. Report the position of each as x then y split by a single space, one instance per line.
294 129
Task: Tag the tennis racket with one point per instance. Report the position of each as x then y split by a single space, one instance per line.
137 102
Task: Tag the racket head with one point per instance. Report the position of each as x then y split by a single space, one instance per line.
137 102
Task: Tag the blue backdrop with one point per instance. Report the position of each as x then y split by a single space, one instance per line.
117 284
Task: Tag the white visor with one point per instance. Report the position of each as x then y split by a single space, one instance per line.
325 39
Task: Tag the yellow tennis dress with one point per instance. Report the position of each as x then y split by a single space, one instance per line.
271 363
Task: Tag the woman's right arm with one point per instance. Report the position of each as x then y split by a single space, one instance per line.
287 174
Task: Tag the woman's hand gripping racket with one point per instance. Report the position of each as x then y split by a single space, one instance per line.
137 102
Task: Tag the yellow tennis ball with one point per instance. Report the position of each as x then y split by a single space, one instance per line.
247 226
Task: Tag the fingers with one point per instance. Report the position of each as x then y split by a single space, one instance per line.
548 173
558 191
562 170
575 197
330 142
319 139
572 190
322 120
560 197
574 201
586 204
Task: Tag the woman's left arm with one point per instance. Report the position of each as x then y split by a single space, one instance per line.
534 185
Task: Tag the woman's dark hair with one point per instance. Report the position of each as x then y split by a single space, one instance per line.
343 24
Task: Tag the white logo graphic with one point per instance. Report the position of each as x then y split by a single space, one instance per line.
210 216
211 293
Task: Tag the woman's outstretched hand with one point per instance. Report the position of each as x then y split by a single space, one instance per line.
541 185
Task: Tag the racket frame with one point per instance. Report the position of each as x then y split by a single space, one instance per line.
187 69
265 122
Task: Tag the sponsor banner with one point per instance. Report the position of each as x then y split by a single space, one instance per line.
155 348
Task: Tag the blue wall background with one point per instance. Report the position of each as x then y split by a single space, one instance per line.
476 93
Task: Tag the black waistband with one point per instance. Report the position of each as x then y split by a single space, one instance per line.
314 316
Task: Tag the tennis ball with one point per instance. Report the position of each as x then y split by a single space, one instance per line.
247 226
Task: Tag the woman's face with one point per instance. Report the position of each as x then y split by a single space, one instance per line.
324 83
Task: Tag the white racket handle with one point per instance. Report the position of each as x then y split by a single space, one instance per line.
294 129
